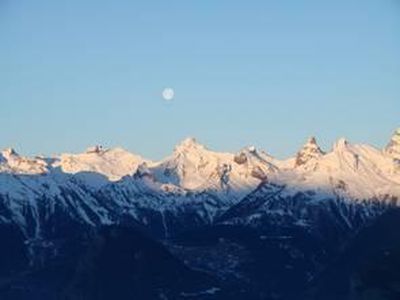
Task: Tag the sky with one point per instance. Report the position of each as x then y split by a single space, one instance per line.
267 73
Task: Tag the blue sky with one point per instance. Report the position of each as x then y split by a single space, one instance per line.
270 73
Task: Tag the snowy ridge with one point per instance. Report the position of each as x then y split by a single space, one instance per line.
193 186
193 167
361 171
12 162
111 163
352 171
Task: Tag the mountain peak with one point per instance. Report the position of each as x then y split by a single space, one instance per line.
9 152
393 148
252 149
188 144
310 151
340 144
312 140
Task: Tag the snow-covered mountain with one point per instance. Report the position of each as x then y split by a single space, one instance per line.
218 213
111 164
353 171
193 185
194 167
12 162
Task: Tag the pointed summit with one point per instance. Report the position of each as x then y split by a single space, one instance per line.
310 151
8 153
393 148
340 144
312 140
188 144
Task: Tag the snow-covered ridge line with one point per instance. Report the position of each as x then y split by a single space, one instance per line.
192 186
359 171
96 155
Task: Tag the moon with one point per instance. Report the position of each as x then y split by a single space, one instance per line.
168 94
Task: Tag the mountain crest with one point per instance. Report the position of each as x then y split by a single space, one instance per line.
340 144
8 153
310 151
393 148
252 149
188 144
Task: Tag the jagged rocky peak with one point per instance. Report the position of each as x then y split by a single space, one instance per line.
310 151
393 148
8 153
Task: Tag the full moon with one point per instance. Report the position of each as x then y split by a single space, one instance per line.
168 94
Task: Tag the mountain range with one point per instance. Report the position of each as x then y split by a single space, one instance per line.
238 224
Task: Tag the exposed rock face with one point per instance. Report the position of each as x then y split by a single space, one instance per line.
393 148
310 151
258 173
240 158
95 149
